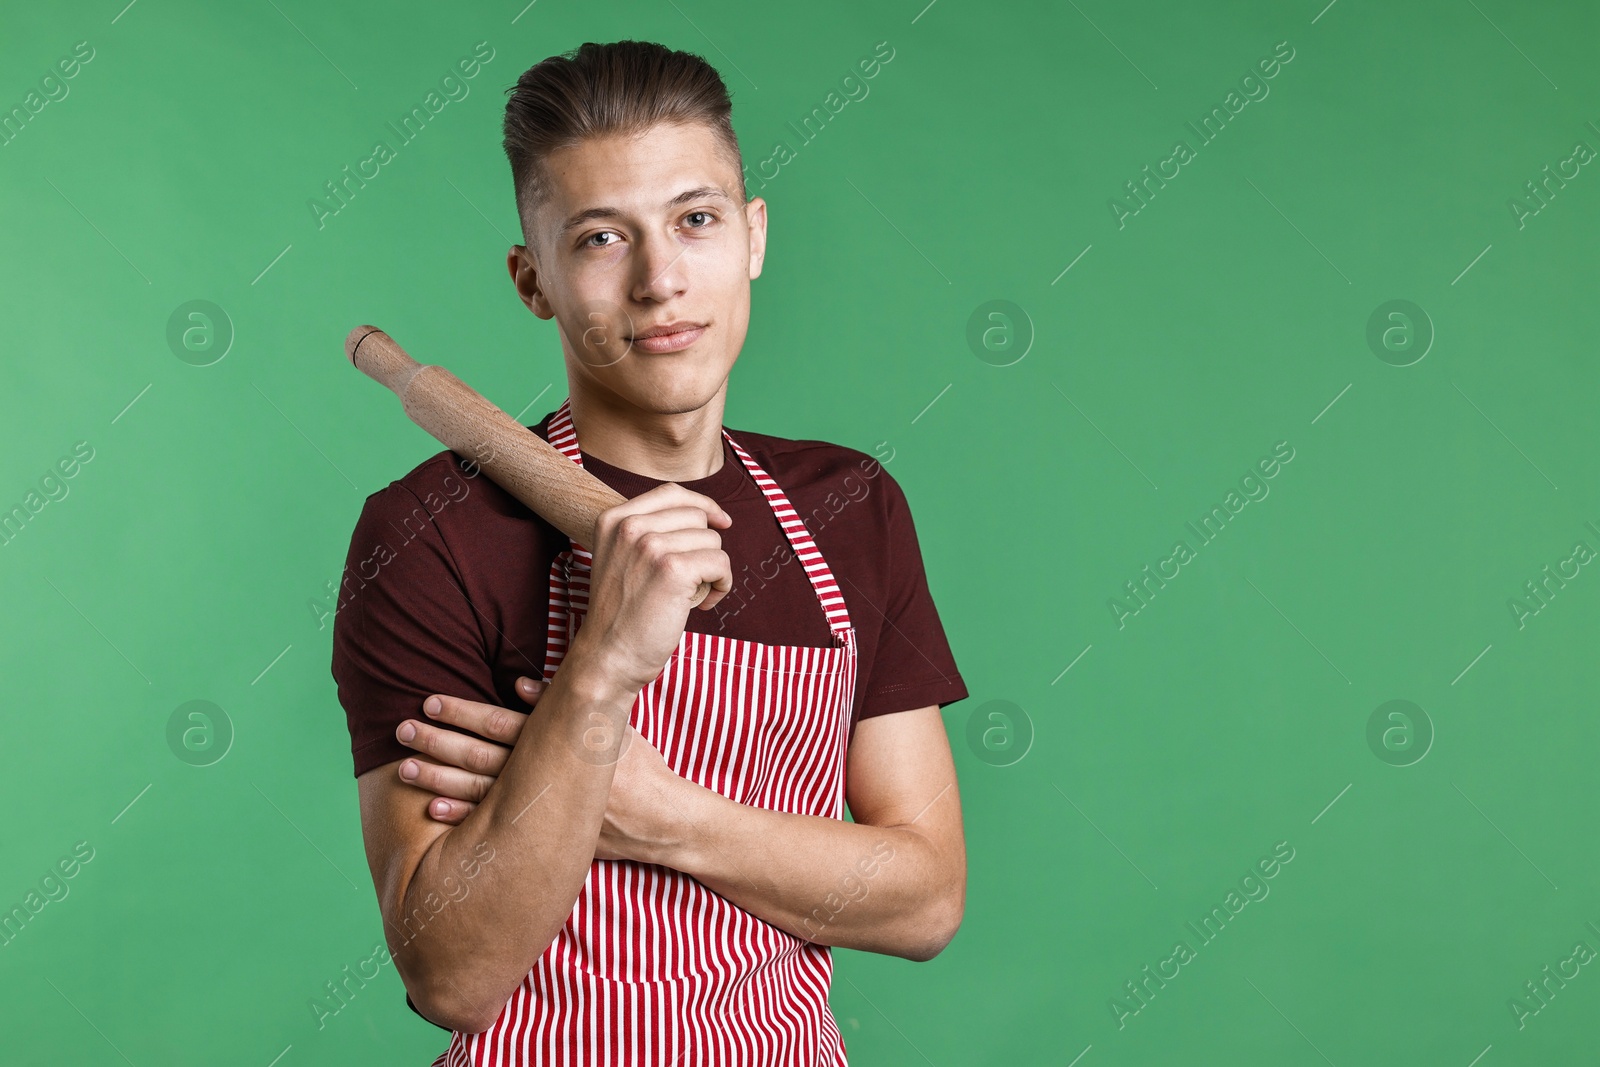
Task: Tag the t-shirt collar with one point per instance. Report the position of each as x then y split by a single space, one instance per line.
721 484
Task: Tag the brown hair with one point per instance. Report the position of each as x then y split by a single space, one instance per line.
594 90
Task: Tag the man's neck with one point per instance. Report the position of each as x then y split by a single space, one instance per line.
675 448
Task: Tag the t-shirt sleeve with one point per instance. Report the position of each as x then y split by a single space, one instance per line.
913 666
404 629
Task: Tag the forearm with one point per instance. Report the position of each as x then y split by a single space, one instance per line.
875 888
538 825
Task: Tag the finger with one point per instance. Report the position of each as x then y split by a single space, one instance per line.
697 557
713 567
531 689
671 494
457 749
644 528
452 783
486 720
451 812
672 518
666 542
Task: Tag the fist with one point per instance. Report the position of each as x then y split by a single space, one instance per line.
652 555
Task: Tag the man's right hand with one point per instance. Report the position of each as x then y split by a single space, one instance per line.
652 555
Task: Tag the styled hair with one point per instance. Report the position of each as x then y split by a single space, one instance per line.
595 90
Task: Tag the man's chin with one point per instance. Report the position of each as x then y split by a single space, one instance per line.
665 390
677 402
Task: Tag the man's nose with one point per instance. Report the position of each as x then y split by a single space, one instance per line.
662 268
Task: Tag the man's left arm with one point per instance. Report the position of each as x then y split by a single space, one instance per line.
894 881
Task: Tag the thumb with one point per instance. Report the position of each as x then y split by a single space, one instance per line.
529 689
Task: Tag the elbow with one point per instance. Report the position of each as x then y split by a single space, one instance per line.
941 916
462 995
437 992
467 988
450 1009
937 932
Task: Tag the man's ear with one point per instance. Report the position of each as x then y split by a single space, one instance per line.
755 217
525 277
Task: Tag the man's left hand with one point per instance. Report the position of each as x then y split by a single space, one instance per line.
645 817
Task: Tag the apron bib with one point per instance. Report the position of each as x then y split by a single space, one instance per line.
652 967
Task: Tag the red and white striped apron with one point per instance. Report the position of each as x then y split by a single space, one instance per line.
652 967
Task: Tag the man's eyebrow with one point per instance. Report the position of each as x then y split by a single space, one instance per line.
704 192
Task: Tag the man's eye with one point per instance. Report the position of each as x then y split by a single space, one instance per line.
591 237
710 218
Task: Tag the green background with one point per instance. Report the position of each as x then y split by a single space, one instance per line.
1122 798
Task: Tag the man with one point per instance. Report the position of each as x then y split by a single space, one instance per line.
662 862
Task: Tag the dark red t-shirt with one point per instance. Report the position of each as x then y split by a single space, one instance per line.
446 584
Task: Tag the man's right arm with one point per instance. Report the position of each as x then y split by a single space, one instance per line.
468 909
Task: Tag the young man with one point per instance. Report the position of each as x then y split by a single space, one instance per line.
662 862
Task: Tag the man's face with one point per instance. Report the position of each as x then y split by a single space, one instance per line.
639 233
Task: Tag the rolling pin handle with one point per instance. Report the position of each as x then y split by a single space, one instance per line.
354 338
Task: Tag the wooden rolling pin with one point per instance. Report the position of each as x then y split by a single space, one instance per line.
464 421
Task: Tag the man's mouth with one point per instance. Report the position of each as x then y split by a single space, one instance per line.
670 337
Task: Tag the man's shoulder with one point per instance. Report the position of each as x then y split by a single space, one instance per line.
806 461
448 477
450 487
844 495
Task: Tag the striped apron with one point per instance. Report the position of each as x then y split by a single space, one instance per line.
652 967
